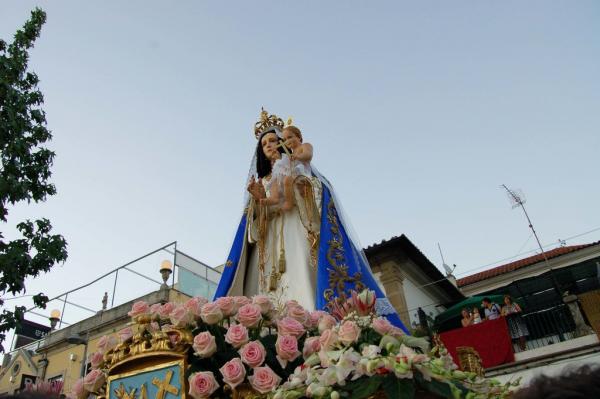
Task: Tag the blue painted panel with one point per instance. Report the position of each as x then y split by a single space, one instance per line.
144 380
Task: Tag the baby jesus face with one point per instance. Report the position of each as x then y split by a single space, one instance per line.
291 139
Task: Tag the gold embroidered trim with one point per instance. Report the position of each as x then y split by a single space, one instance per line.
338 270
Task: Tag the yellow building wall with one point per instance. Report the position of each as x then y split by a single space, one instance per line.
60 363
59 357
6 386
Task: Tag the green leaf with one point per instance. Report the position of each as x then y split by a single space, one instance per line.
365 387
436 387
25 170
396 388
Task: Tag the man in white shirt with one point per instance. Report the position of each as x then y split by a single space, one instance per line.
492 310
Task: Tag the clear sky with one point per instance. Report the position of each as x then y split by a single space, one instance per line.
417 111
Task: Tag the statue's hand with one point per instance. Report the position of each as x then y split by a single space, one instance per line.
256 189
260 189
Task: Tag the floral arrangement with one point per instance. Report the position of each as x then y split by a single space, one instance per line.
47 389
254 348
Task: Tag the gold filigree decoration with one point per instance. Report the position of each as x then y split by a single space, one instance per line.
338 270
147 340
266 122
122 393
305 193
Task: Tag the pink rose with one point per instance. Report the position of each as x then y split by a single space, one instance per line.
382 326
264 302
227 305
311 345
349 332
233 372
78 391
237 335
289 326
165 310
204 344
291 303
96 359
396 332
194 305
210 313
181 316
287 349
202 384
153 310
139 308
107 343
241 301
153 327
297 312
174 338
264 379
94 380
249 315
328 339
253 353
125 334
314 318
327 322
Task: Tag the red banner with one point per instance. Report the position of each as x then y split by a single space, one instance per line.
489 338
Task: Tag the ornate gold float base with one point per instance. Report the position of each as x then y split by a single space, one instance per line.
244 391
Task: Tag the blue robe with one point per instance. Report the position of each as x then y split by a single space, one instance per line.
340 266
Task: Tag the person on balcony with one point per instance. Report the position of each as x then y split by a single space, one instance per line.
468 318
492 309
516 324
476 315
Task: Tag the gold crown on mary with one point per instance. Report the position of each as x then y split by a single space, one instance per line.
269 122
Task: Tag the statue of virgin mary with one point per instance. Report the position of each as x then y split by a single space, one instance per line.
305 253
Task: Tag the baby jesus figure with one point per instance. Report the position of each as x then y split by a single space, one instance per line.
294 162
299 160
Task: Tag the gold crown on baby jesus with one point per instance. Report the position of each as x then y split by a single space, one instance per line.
269 122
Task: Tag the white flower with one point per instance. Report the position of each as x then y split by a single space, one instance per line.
371 351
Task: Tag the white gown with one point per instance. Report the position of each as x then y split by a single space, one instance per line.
298 282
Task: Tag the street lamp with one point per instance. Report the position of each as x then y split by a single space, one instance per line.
76 340
54 318
166 268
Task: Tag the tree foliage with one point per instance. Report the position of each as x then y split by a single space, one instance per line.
24 172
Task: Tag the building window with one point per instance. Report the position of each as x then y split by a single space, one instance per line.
58 378
15 369
56 383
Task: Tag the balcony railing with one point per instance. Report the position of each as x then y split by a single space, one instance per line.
546 326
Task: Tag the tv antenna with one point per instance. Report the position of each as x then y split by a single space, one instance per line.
449 270
517 199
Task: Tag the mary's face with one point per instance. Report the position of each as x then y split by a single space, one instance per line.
269 145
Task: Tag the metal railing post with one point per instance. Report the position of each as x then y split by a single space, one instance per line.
63 311
174 265
112 301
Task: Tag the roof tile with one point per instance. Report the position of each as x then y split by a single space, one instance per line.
521 263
